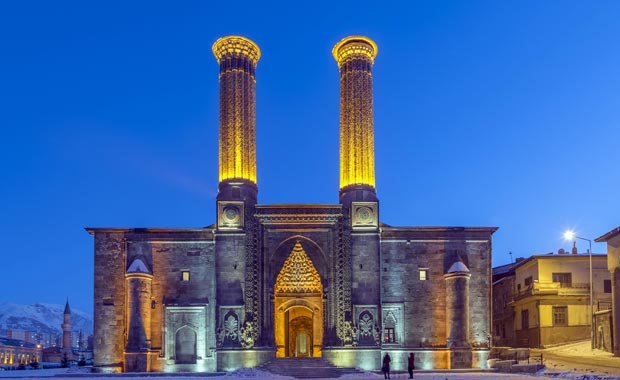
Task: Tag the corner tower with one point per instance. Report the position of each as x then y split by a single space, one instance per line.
355 56
237 57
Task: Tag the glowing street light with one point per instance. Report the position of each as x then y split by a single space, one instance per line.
571 236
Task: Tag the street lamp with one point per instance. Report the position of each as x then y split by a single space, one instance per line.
570 235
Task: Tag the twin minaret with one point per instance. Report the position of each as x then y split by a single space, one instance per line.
237 57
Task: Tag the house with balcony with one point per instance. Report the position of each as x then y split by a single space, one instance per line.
550 300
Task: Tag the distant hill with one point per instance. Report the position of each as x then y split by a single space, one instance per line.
42 318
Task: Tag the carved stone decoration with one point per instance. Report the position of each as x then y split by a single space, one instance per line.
366 320
364 215
343 281
231 329
298 274
366 325
248 335
230 215
252 274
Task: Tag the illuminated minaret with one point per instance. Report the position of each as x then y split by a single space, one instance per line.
66 329
237 57
355 56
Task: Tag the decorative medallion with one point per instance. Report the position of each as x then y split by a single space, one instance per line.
364 215
298 274
230 215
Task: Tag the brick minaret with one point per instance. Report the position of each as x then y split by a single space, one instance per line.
237 195
66 329
237 57
355 56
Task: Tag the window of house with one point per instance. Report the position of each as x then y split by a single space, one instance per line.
528 281
560 316
525 319
423 274
185 275
565 279
607 286
388 335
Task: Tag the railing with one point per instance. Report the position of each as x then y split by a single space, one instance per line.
554 288
603 305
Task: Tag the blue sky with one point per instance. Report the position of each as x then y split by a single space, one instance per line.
487 113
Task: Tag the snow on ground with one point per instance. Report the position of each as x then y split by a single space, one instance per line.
580 357
257 374
580 349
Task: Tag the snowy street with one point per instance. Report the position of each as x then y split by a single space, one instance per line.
57 374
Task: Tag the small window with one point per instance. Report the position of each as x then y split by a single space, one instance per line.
185 275
560 316
388 335
528 281
423 274
607 286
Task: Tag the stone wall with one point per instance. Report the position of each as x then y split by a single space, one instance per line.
603 330
109 302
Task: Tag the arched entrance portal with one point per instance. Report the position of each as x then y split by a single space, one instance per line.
298 292
185 346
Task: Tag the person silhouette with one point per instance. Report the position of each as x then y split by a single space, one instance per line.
386 366
411 364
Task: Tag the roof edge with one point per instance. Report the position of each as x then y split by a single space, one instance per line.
608 236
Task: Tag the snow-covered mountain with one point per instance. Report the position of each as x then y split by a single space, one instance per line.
42 318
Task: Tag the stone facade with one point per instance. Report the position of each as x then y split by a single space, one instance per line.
271 281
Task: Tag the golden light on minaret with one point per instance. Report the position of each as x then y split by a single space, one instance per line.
237 57
355 56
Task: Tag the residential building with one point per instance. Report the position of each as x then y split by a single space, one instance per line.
550 302
610 331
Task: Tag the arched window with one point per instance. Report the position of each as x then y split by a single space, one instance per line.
389 328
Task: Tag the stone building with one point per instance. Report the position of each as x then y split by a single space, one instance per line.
304 280
14 352
610 332
544 300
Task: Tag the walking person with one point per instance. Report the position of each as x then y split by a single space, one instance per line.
411 364
386 366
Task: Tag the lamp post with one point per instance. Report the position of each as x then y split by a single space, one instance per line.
570 235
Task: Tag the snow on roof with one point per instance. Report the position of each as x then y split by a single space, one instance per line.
138 266
458 266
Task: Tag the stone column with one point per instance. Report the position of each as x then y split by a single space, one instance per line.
139 321
355 56
237 57
457 306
